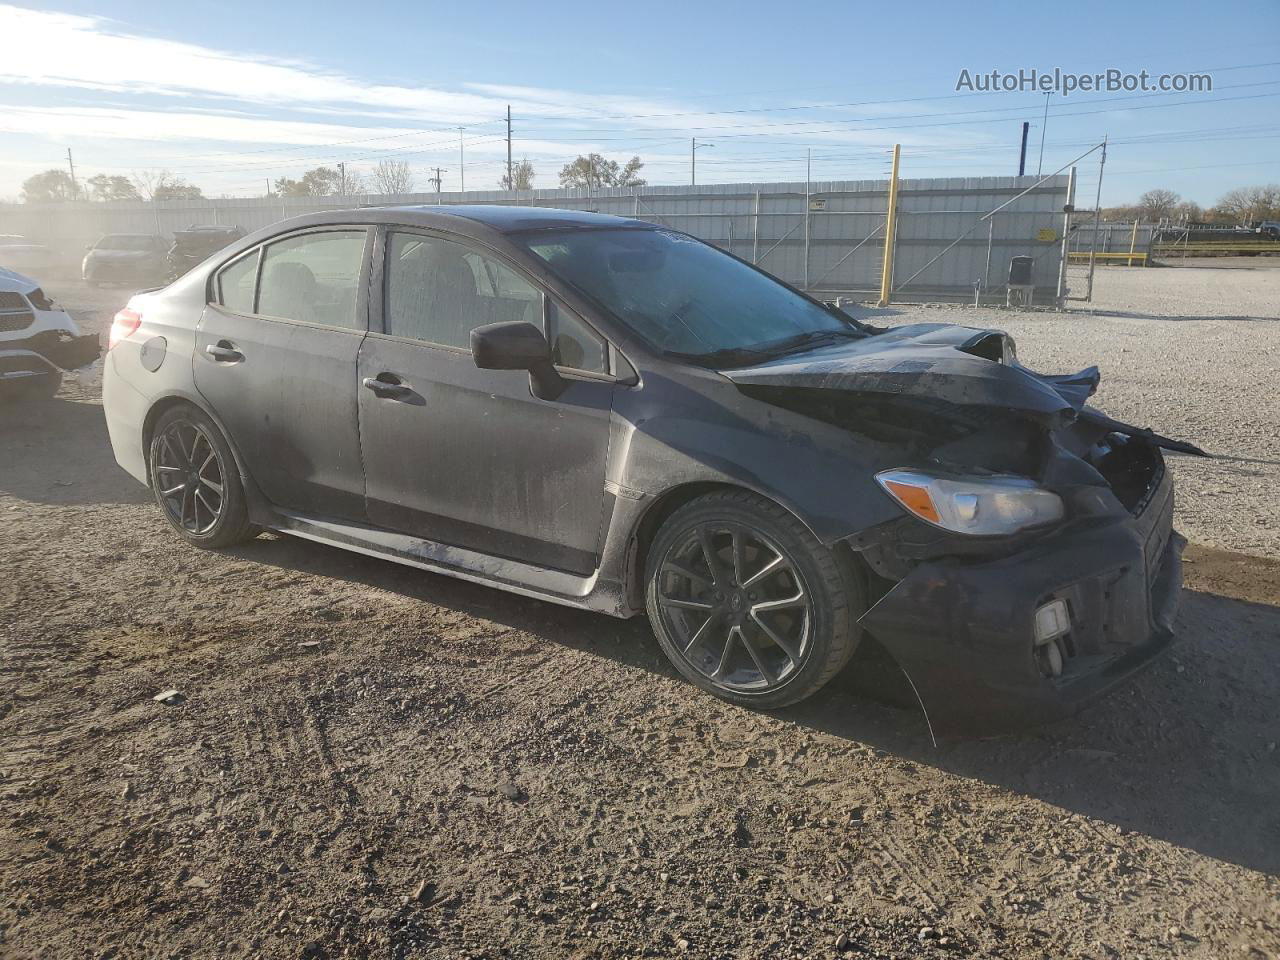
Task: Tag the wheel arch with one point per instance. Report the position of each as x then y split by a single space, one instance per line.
166 403
666 504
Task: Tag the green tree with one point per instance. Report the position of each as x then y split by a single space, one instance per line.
175 188
521 178
320 182
49 186
103 187
594 171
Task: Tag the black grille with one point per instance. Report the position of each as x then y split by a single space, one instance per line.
15 320
12 301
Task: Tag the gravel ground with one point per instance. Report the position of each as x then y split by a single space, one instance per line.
1192 352
369 761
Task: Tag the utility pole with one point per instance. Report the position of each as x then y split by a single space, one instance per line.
1022 158
1040 165
462 161
342 181
890 232
1097 215
268 186
511 179
75 186
694 145
436 178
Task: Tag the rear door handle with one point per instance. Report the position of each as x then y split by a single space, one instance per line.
224 351
386 388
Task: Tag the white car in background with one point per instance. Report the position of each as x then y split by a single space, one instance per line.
38 340
23 254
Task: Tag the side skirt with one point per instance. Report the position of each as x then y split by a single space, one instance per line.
584 593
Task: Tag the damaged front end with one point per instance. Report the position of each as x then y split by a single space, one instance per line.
37 338
59 348
1034 564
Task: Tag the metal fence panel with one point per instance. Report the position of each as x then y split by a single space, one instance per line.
834 228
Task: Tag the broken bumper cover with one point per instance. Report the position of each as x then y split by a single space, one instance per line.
964 632
35 355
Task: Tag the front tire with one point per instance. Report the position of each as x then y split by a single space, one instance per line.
748 604
195 480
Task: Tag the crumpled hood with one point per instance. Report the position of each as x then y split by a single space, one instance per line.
938 361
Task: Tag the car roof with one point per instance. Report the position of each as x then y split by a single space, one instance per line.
510 218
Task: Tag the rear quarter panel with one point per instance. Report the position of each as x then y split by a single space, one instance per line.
150 366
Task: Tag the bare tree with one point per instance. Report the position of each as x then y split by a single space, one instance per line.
1157 204
1188 211
522 175
392 177
1248 205
148 180
353 183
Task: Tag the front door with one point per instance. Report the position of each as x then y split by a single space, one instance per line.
469 457
276 357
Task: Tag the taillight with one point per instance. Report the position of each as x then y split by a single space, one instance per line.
123 324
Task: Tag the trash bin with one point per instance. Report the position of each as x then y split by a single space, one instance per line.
1020 271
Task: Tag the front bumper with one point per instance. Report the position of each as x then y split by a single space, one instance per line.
41 352
963 631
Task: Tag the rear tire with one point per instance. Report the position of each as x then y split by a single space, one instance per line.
195 480
748 604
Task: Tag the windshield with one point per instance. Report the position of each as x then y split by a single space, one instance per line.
686 297
124 242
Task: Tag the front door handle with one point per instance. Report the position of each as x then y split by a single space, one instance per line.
388 389
224 352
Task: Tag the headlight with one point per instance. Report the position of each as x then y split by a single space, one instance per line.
979 506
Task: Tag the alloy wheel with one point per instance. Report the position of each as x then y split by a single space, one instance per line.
189 477
736 607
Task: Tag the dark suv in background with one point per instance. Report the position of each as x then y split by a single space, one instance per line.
194 244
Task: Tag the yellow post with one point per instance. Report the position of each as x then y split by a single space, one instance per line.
1133 242
890 231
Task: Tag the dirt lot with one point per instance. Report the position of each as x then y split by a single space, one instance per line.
371 761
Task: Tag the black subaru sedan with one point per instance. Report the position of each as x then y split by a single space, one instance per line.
616 416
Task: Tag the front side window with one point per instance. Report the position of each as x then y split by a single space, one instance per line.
686 297
313 278
573 343
236 284
439 291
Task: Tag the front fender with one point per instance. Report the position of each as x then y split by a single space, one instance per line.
821 473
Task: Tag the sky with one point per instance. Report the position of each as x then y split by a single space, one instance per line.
231 95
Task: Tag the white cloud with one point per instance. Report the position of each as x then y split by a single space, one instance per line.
306 114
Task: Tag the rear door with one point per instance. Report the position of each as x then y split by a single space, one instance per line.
276 355
469 457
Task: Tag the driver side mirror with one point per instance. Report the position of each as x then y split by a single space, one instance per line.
518 345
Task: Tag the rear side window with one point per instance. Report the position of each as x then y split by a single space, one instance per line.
235 284
439 291
313 278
